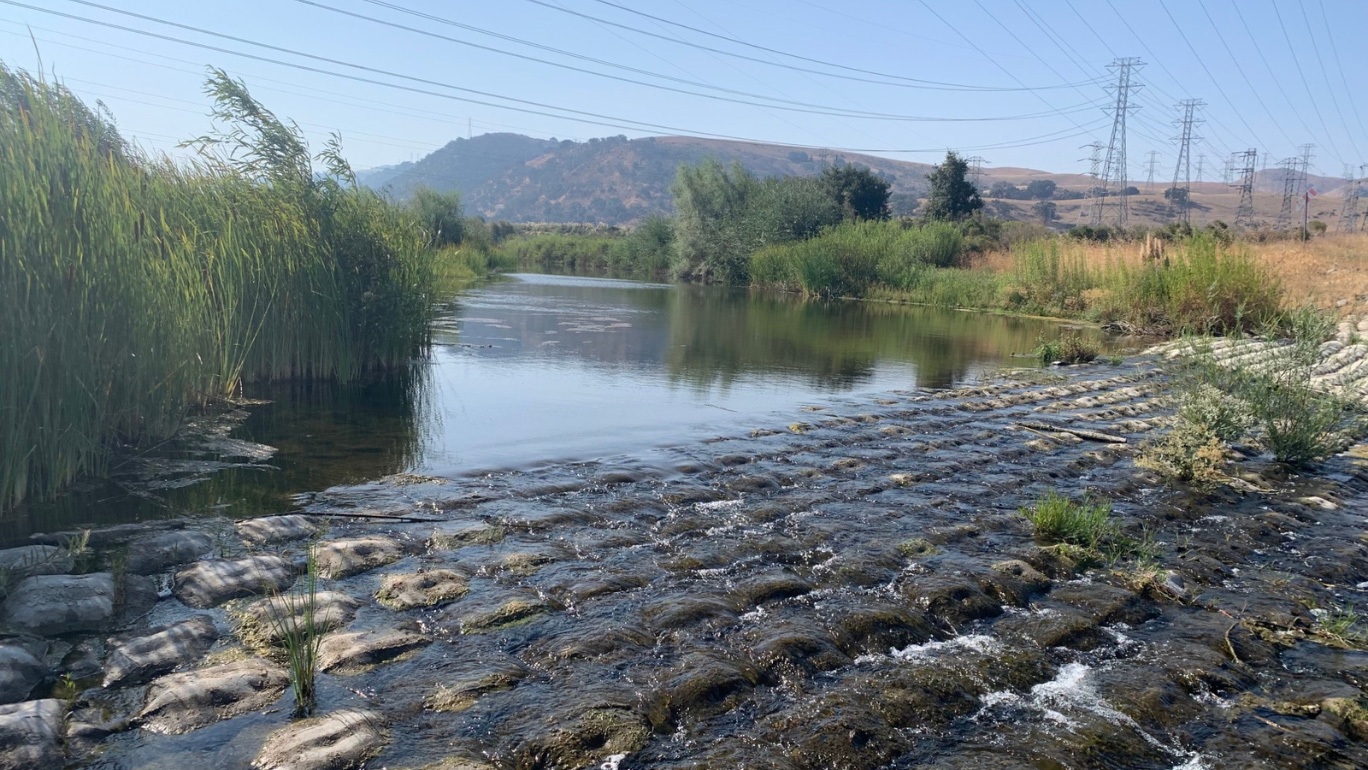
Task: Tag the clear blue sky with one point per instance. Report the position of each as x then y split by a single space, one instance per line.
1299 76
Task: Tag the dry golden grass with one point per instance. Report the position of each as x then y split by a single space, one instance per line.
1321 271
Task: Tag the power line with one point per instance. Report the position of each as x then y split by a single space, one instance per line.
1240 68
1320 60
310 92
1030 141
807 108
1329 34
591 118
1296 61
1219 88
942 85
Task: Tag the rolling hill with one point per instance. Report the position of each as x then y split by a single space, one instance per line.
616 180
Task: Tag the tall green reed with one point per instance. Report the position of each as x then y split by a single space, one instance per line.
134 289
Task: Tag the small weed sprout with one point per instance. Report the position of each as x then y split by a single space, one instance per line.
293 617
1339 623
1061 520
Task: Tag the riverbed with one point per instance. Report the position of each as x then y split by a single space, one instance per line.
844 582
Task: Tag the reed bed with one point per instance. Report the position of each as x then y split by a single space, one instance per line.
134 289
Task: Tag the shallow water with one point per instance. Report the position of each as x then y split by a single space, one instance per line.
534 369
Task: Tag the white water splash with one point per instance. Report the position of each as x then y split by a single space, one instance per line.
919 652
1072 688
612 762
717 505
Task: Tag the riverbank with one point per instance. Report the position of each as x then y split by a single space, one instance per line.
853 588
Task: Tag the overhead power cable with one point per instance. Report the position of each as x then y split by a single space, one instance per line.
589 118
807 108
1296 60
888 80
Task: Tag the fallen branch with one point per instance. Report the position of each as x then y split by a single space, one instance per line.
1090 435
386 517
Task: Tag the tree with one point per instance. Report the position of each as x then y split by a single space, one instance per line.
1046 210
1041 189
857 191
951 197
440 214
1005 190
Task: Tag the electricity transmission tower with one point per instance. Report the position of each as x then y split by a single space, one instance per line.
1349 215
1244 215
1179 202
1201 164
976 169
1094 168
1295 172
1149 182
1114 167
1290 179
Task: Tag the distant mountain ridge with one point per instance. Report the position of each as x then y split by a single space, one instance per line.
616 180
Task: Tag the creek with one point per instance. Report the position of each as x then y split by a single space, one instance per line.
534 369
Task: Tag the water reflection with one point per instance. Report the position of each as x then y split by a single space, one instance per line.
539 368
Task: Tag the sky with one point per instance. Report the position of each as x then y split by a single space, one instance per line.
1022 83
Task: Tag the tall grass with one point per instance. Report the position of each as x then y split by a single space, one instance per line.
644 252
852 257
134 289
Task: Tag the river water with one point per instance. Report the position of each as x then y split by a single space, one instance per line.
534 369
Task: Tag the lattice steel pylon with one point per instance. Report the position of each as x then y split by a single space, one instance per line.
976 169
1094 168
1179 197
1114 167
1244 214
1149 179
1349 214
1291 178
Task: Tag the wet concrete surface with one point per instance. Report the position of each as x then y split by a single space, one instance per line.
852 589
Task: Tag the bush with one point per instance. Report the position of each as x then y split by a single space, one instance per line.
1298 424
1060 520
1190 453
1070 348
846 260
1225 416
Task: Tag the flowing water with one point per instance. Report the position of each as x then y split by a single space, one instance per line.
779 542
534 369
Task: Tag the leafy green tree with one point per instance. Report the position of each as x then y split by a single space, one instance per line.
723 215
858 191
440 214
1040 189
951 197
712 237
1047 211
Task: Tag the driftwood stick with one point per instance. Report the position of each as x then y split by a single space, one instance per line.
1090 435
386 517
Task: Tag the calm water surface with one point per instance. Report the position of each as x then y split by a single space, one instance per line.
534 369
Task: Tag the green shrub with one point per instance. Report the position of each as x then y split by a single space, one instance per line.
1060 520
848 259
1226 416
1189 453
1298 424
1070 348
